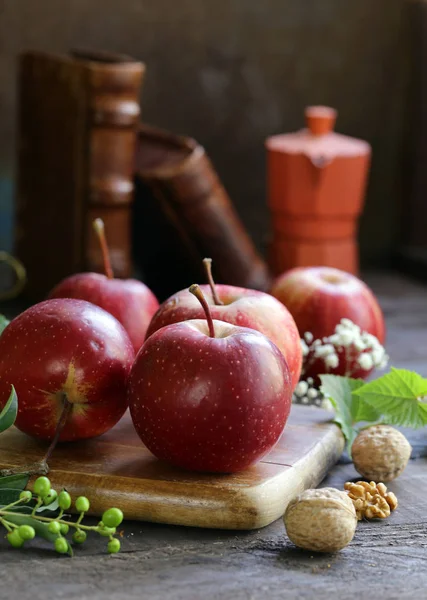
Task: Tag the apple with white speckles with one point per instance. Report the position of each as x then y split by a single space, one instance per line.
68 359
209 396
241 307
319 297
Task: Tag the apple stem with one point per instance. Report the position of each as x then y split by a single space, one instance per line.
42 467
98 226
196 291
65 413
207 262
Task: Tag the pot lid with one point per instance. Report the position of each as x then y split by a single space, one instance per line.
318 140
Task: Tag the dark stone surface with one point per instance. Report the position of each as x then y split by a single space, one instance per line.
386 559
160 562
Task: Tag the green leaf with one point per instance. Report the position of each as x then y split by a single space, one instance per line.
16 482
3 323
339 391
396 396
9 412
8 495
50 507
361 410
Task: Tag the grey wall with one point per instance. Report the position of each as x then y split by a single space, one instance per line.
231 72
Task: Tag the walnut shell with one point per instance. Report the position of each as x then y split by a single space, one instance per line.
322 520
380 453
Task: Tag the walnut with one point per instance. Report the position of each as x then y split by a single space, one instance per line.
371 500
380 453
323 520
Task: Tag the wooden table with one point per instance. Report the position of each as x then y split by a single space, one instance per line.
385 560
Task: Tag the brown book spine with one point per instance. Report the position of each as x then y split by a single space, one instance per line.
77 135
197 208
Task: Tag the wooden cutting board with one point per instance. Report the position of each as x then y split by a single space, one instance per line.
117 470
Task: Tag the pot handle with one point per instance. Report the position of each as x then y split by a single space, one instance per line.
20 276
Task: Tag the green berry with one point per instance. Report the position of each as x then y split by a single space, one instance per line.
26 532
114 546
105 531
112 517
42 487
52 495
79 537
61 545
82 504
64 500
25 495
15 539
54 527
64 528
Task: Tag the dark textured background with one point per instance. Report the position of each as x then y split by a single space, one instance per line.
231 72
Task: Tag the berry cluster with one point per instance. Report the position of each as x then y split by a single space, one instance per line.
22 527
307 393
348 351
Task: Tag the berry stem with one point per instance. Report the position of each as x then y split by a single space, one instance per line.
38 504
196 291
98 226
74 524
20 501
7 525
207 263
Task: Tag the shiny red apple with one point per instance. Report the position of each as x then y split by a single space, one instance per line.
241 307
66 358
129 300
209 396
319 297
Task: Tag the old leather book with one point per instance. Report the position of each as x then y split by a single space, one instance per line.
77 125
183 214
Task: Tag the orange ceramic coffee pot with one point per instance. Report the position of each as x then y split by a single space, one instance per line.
316 187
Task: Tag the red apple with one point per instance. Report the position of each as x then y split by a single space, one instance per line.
129 300
66 358
238 306
209 396
319 298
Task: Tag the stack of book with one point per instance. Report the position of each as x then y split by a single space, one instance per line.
82 150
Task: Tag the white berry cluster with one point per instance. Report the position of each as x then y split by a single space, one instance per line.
348 342
307 393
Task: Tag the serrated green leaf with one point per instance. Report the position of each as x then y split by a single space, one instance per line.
396 396
9 412
15 482
339 390
361 410
3 323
